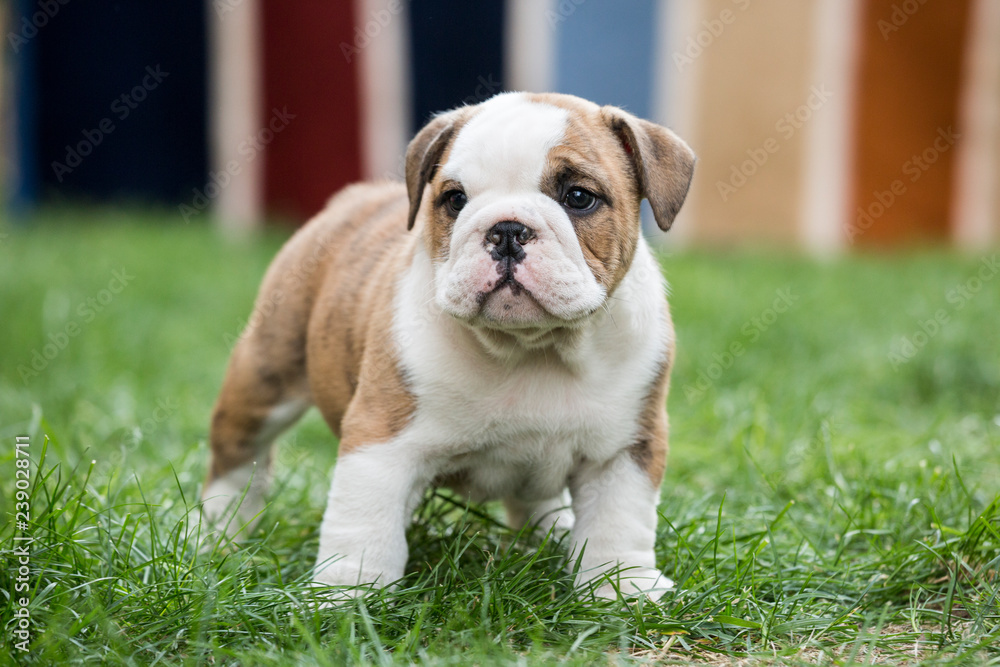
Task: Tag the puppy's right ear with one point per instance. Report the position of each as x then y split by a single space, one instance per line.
423 155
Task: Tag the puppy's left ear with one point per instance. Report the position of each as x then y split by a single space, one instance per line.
423 155
663 163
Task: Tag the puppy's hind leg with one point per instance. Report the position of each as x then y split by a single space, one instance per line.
263 394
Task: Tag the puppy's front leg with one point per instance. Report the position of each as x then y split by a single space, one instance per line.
615 507
363 534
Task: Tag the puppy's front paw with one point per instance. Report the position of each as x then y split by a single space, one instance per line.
353 577
634 582
341 583
331 595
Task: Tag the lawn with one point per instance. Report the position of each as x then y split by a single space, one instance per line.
831 494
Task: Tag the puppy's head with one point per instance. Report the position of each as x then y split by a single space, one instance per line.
529 205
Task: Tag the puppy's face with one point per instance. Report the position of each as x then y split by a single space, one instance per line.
530 205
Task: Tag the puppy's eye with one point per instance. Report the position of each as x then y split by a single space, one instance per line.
455 201
579 199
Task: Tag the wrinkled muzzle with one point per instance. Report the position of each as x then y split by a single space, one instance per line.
514 262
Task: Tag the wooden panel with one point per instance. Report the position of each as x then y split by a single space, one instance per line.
122 101
597 42
976 199
755 100
456 54
306 72
907 117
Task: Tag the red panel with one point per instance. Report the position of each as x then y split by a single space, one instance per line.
318 151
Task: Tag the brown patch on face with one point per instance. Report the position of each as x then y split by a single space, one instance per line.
589 157
423 157
635 157
605 150
626 159
427 152
439 223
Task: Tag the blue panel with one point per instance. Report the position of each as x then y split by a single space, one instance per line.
24 181
605 51
456 54
122 101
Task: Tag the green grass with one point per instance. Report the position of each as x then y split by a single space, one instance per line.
823 501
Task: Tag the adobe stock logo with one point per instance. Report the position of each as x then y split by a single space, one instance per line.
30 25
563 11
909 346
166 407
86 311
913 169
364 36
248 150
751 332
712 29
787 126
122 107
901 13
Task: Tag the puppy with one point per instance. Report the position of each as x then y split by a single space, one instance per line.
498 326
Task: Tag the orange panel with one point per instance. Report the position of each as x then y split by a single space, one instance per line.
907 119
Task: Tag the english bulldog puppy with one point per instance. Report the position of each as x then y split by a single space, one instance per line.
497 325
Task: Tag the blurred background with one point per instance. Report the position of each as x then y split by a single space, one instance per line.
820 124
835 403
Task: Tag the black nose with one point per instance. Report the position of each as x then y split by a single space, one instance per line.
507 238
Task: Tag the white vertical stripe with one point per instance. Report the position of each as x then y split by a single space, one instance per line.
235 94
675 97
384 87
975 205
531 33
828 157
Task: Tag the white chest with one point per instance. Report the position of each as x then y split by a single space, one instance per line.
528 428
522 428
